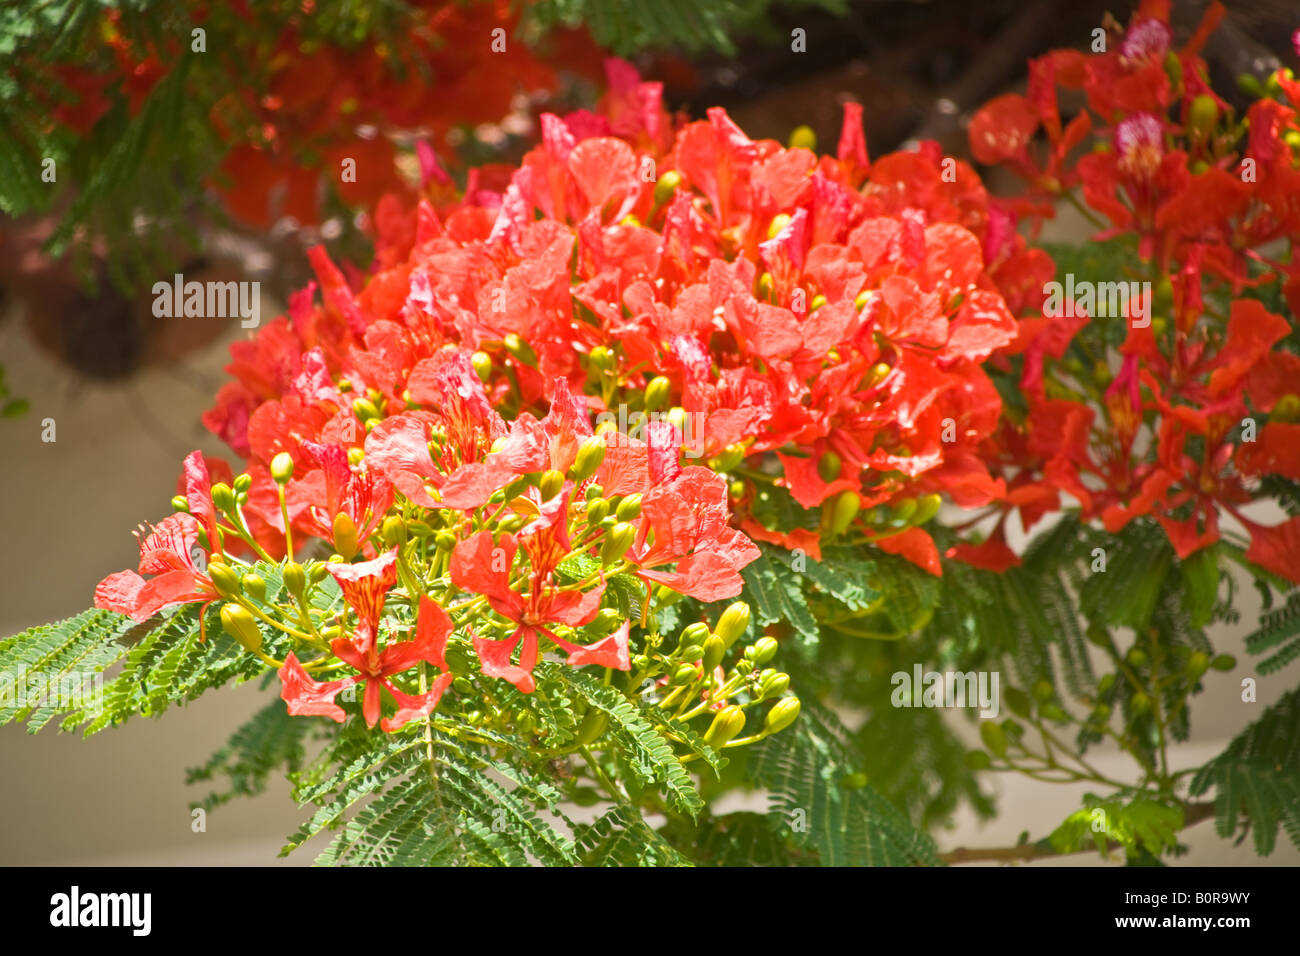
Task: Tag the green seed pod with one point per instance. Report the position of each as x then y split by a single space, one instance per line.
223 497
551 484
1043 691
1224 662
282 468
845 509
180 504
597 510
684 674
241 625
714 649
1203 114
345 536
828 467
927 506
666 186
482 363
591 454
1018 701
994 737
1139 704
629 508
295 578
617 541
764 650
727 724
733 623
393 531
591 728
802 137
696 633
782 714
657 393
1197 664
520 349
977 760
255 586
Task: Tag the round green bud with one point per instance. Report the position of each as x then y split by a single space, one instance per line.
282 468
520 349
764 650
782 714
1137 657
733 623
690 652
345 536
727 724
927 506
295 578
731 456
225 579
617 542
593 492
684 674
828 467
903 511
1197 664
597 510
666 186
844 510
802 137
1286 409
255 586
1203 114
482 363
318 572
714 650
551 484
241 625
180 504
629 507
243 483
657 393
223 497
393 531
775 685
591 454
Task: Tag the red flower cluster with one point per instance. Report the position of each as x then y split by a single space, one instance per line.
309 105
1198 404
827 317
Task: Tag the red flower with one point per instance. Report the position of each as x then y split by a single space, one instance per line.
308 697
169 551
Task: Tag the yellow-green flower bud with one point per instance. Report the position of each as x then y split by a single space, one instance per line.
617 541
282 468
225 579
551 483
904 510
591 454
255 586
240 625
657 392
445 541
593 492
1203 114
223 497
1224 662
714 649
727 724
1286 409
731 456
393 531
733 623
690 652
779 222
629 507
1198 664
775 685
318 572
295 578
482 363
602 358
844 510
696 633
243 482
802 137
180 504
828 467
666 186
365 409
782 714
345 536
764 650
597 509
927 506
591 728
684 674
520 349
